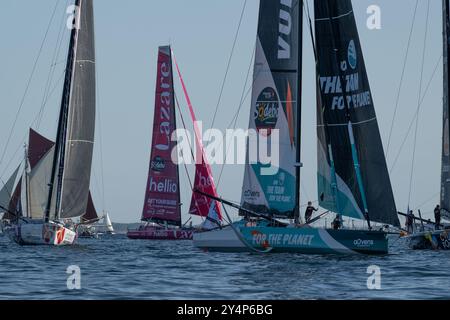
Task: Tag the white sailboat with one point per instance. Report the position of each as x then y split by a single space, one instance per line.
56 176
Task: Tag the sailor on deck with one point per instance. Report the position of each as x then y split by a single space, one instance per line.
410 222
309 212
437 216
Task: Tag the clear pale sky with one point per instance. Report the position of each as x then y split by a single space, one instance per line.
202 32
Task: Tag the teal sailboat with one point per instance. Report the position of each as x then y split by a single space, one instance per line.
353 179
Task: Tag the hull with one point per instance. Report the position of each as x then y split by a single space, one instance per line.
155 233
51 234
435 240
290 239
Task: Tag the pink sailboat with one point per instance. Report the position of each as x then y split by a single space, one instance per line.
162 206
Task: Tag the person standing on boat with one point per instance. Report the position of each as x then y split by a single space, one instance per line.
337 222
437 216
309 212
410 222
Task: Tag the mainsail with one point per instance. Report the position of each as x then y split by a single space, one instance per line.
79 142
353 179
72 161
162 198
445 172
204 181
276 106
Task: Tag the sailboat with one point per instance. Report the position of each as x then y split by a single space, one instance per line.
56 176
439 238
108 224
162 206
353 180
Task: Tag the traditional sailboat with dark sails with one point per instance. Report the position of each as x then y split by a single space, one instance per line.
162 206
439 239
353 180
55 183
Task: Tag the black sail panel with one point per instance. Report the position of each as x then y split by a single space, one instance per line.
275 106
445 172
353 176
81 120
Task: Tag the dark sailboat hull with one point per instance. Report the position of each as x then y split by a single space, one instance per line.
437 240
159 233
304 240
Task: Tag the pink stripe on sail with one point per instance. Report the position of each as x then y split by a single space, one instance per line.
204 181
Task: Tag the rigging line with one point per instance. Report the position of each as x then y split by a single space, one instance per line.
229 64
236 116
52 67
189 142
37 120
405 60
415 115
28 83
418 103
427 201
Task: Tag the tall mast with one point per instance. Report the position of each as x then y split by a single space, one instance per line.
445 173
27 182
58 158
299 116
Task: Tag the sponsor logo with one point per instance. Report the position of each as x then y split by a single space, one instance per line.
363 243
251 194
266 110
163 137
352 55
158 164
285 28
279 239
260 239
165 186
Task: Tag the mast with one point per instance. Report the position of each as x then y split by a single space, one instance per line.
58 164
299 118
27 183
445 170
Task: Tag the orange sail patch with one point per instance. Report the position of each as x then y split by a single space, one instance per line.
290 114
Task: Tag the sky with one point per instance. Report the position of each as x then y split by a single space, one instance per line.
202 33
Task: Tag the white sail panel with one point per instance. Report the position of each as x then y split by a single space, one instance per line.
7 191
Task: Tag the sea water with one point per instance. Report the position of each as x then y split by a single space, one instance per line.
119 268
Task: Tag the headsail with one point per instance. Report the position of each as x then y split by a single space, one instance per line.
353 179
204 181
6 193
80 131
91 213
445 171
162 198
276 105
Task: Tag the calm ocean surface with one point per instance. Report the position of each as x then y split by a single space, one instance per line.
118 268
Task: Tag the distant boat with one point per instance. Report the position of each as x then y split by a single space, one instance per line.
55 183
162 207
353 179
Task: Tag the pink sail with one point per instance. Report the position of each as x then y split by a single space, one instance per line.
201 205
162 198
